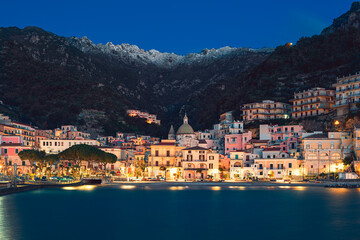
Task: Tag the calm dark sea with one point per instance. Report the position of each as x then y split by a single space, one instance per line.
111 212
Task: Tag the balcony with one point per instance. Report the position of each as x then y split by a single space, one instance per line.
196 160
185 168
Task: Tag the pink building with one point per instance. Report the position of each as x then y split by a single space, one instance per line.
235 142
277 133
9 148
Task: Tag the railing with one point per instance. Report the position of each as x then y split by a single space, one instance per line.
194 160
195 168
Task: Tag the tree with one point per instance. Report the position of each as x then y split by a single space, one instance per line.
33 156
348 160
107 158
90 154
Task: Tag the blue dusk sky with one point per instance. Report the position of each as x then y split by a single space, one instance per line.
177 26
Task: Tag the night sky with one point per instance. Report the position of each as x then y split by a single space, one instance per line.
177 26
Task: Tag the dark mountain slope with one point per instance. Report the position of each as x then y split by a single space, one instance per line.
313 61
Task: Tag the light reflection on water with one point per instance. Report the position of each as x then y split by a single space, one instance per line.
81 188
3 232
128 187
334 212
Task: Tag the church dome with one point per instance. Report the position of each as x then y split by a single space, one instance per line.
185 128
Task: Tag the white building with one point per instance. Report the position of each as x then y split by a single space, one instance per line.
55 146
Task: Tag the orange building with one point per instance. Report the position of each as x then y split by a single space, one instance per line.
313 102
165 159
265 110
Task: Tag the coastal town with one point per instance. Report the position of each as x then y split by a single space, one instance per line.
227 152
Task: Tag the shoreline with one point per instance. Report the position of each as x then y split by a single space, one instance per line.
210 184
172 185
31 187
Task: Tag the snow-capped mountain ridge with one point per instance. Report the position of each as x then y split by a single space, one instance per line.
132 53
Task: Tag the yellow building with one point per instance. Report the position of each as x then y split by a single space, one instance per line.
165 157
323 153
277 168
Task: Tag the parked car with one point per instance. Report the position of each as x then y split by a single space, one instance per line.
55 179
44 179
20 180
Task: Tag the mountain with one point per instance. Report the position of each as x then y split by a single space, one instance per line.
52 80
312 62
49 80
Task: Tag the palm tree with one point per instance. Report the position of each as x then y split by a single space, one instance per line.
163 168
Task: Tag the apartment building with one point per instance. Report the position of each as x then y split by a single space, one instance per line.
199 163
312 102
323 152
165 159
265 110
347 94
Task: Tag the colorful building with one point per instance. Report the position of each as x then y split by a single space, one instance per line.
10 147
323 153
200 163
313 102
235 142
277 168
265 110
165 160
347 94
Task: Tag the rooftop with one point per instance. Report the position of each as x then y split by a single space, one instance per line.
317 136
196 148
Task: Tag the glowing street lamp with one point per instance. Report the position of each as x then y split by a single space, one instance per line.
336 123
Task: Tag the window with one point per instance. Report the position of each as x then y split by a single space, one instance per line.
156 163
332 145
156 153
211 166
290 165
10 162
307 146
16 151
5 150
319 146
260 166
167 163
23 163
271 166
261 173
168 153
311 166
211 157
